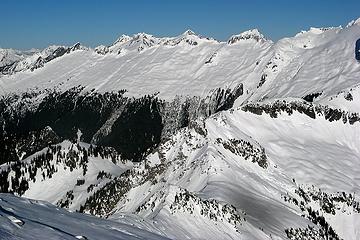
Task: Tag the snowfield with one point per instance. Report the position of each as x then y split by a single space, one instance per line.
258 140
31 219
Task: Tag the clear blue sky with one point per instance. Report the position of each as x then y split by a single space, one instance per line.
26 24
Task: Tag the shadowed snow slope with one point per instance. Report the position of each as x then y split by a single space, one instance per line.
22 218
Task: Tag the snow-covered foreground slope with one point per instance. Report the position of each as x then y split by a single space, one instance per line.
22 218
187 137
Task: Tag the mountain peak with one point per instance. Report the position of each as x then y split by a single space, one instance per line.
253 34
354 22
123 38
189 32
142 35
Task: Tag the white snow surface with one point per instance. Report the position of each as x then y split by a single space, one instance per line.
28 219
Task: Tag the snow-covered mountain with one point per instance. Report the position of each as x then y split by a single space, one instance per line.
184 137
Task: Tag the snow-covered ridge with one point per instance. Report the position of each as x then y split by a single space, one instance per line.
142 41
35 59
353 23
9 56
319 60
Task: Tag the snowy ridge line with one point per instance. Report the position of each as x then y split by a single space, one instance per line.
190 65
14 61
38 59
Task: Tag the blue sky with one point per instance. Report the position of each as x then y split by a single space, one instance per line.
38 23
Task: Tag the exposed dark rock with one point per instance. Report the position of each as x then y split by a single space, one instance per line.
60 51
246 150
348 96
277 107
134 127
262 80
138 129
357 50
312 96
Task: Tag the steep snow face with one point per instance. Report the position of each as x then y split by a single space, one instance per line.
22 218
316 61
70 185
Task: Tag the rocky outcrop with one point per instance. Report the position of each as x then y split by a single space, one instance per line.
253 34
277 107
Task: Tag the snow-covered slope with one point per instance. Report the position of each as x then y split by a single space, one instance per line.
22 218
252 162
184 65
191 138
320 60
315 61
241 175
